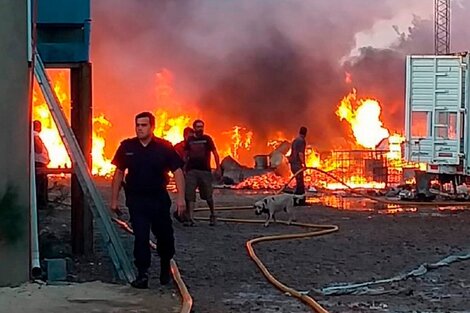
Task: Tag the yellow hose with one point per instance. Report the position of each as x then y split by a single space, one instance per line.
323 230
187 300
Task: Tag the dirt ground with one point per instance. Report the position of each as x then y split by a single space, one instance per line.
370 245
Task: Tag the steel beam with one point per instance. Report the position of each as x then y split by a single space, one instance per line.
81 122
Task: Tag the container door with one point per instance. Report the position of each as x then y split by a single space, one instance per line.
434 109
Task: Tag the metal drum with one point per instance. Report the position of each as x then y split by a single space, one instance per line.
261 161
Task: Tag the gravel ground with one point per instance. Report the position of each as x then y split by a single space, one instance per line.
370 245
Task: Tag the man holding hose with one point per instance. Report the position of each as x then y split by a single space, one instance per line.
297 160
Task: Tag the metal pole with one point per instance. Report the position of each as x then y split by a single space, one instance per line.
82 218
35 264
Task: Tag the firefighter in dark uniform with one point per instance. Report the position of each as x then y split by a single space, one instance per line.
148 160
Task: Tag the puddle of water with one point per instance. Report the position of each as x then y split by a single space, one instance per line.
346 203
360 204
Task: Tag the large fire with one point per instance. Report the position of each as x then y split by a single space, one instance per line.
168 125
101 164
363 115
50 135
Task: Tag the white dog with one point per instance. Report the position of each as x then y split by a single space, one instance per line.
273 204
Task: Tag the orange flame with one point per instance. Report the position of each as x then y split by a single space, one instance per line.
277 140
356 182
101 164
240 139
362 114
170 128
364 117
50 135
312 158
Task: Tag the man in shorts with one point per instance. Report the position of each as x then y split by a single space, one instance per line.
198 170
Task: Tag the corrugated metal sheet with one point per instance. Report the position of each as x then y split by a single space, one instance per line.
435 86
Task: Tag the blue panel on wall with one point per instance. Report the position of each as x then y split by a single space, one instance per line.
63 11
63 30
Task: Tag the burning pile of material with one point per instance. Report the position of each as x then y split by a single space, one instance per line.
265 181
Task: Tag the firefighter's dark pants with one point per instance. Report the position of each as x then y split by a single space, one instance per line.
41 186
151 212
299 179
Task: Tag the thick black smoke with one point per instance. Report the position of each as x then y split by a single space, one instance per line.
266 65
272 87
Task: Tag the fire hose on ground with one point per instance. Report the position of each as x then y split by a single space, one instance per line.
363 287
302 296
320 230
187 300
335 289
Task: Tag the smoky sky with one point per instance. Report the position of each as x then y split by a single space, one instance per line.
270 87
266 65
380 73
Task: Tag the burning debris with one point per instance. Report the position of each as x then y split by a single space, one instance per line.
364 167
262 182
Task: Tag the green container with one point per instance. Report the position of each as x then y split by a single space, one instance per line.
56 270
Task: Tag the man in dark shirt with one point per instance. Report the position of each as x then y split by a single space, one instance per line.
180 149
148 160
180 146
198 169
297 160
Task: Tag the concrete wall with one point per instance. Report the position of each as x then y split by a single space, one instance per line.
14 143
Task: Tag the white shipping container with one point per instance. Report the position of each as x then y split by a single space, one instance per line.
436 117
